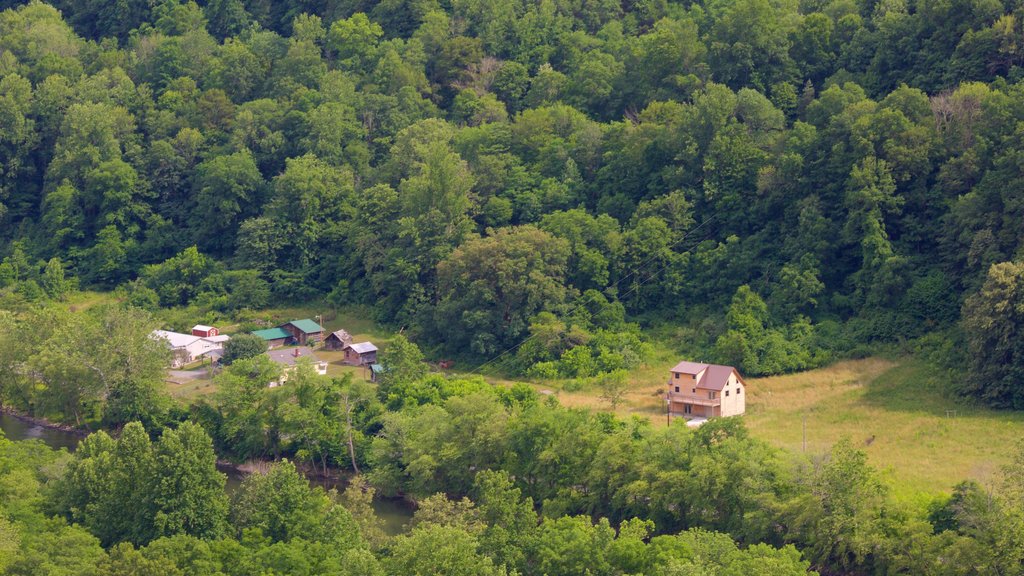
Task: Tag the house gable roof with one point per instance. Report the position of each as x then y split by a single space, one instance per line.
307 326
341 335
714 377
362 347
272 334
175 339
290 356
202 327
685 367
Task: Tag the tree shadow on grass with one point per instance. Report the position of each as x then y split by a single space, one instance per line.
915 386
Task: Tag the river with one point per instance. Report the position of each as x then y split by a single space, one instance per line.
15 428
393 512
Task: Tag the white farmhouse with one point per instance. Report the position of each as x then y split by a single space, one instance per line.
188 348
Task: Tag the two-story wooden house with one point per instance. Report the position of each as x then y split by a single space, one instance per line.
698 390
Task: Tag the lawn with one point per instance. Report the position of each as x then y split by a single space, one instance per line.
901 413
920 437
188 390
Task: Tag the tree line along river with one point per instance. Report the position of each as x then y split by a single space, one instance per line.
395 513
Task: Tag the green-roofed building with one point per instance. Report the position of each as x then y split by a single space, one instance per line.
304 332
274 337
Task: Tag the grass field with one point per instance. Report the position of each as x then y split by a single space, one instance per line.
901 412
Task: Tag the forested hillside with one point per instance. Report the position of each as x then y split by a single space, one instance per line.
788 181
547 189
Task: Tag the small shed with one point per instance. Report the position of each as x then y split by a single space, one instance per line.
375 372
274 337
360 354
304 331
337 340
204 331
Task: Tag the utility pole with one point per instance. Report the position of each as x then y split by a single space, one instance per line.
805 432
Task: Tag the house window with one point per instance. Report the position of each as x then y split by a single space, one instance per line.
687 409
726 392
739 390
677 388
694 390
677 375
711 395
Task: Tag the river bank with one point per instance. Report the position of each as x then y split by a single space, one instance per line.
395 513
42 422
17 426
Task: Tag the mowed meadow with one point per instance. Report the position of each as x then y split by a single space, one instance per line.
901 412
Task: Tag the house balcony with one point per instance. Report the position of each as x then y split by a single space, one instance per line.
683 397
680 398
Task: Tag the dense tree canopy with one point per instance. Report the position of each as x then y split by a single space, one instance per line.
854 165
535 182
993 319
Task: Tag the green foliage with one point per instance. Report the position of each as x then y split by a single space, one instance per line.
613 387
242 347
307 149
402 365
282 507
177 279
992 321
841 517
131 490
434 389
662 489
189 492
100 365
440 549
491 286
57 286
509 177
756 348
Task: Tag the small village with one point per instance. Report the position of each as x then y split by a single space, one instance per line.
695 391
289 345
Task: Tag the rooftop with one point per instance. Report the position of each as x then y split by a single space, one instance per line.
307 326
289 356
175 339
686 367
713 376
272 334
217 339
202 327
362 347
